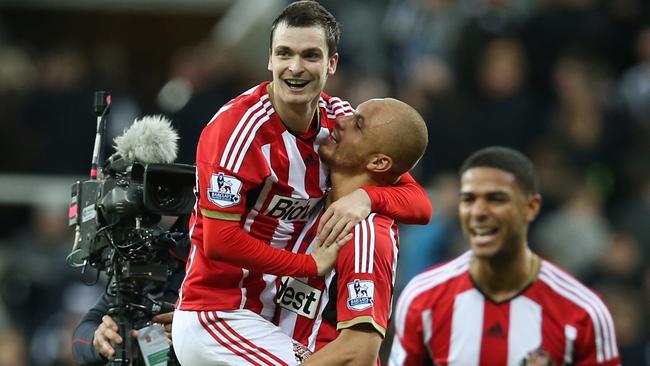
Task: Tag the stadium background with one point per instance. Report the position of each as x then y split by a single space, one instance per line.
565 81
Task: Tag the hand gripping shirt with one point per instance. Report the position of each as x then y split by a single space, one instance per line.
442 317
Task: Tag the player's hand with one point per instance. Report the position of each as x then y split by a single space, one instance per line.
104 335
166 321
325 256
341 216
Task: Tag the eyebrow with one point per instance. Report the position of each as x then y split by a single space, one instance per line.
287 48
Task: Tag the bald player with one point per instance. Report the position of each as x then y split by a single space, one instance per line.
344 316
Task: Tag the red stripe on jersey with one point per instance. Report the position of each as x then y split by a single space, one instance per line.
494 344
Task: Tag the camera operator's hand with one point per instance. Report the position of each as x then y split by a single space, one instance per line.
166 321
104 335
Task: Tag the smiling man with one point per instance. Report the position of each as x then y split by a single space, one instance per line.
499 303
344 316
259 176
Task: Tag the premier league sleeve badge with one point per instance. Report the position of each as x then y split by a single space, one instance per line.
224 190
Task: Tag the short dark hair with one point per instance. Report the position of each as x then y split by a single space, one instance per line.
506 159
308 13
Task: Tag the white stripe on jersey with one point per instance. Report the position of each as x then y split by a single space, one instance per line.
525 329
297 168
605 319
570 335
325 298
364 246
180 289
393 239
466 329
264 114
287 319
356 248
244 292
397 353
235 136
425 281
268 184
324 171
371 226
584 298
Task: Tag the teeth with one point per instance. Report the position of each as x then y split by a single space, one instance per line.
296 82
484 231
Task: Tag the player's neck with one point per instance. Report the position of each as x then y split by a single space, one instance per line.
344 183
501 279
296 117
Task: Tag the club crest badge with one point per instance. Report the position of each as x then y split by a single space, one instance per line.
224 190
360 295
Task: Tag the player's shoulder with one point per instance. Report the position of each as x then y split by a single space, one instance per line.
564 285
436 277
247 107
335 106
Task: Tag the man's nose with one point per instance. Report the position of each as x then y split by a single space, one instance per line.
295 66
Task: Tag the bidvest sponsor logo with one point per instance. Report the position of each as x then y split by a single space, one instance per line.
298 297
291 209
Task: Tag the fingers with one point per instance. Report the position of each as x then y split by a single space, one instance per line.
345 233
324 220
342 241
104 335
165 318
337 231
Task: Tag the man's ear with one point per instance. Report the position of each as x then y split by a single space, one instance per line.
268 67
332 63
379 163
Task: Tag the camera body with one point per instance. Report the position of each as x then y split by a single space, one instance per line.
124 209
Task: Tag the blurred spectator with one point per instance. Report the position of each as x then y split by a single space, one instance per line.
576 234
635 83
505 112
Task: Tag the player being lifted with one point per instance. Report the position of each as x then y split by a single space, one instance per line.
264 146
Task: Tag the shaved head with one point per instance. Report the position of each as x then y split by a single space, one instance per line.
403 136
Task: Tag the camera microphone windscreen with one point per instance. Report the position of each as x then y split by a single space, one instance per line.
150 139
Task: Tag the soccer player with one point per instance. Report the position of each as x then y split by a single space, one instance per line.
500 303
259 176
344 316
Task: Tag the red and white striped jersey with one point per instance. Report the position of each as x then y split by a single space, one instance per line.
252 169
442 317
358 290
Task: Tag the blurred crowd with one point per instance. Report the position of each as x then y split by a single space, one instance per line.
565 81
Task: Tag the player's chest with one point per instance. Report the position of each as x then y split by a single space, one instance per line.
472 331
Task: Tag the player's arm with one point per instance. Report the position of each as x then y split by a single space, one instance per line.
227 241
405 201
357 345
